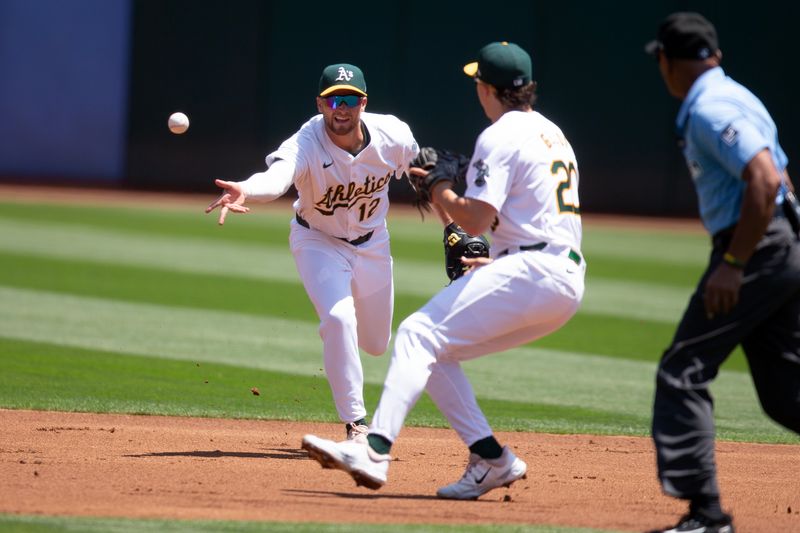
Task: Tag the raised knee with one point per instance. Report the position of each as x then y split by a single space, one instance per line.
414 335
375 347
405 333
413 324
340 318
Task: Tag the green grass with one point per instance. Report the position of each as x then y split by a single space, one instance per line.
158 310
85 288
53 377
39 524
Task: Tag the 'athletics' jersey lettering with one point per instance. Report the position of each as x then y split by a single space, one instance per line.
341 196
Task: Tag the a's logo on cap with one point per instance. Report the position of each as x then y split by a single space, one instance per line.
704 53
345 75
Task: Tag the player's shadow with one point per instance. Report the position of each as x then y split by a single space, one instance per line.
370 496
274 453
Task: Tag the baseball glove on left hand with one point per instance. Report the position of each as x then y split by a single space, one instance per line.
441 165
457 244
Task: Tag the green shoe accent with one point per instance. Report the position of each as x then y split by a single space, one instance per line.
379 444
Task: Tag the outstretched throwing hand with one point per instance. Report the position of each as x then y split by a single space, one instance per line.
231 200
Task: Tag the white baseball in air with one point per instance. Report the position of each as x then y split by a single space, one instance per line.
178 123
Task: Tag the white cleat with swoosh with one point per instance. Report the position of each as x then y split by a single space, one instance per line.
483 475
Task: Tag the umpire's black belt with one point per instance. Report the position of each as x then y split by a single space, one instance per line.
573 255
355 242
722 238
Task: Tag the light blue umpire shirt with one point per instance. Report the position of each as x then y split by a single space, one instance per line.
722 126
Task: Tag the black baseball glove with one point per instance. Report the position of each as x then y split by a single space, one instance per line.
457 244
442 165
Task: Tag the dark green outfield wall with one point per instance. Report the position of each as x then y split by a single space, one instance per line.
246 73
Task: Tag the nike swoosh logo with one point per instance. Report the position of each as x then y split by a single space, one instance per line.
326 165
479 480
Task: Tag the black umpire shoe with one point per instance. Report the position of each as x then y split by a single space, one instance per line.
700 523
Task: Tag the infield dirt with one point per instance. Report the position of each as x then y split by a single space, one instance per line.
81 464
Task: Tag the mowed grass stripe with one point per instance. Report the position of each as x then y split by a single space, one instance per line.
273 237
527 375
49 524
45 376
157 286
668 248
53 376
667 277
190 255
265 225
267 295
640 255
586 333
269 224
632 299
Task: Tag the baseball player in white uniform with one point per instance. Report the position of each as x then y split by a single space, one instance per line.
522 186
341 163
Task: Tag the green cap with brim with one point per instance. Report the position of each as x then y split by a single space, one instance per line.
342 77
503 65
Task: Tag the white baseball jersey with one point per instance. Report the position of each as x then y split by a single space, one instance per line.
525 168
343 195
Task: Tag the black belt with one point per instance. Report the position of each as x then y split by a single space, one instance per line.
573 255
355 242
526 248
722 238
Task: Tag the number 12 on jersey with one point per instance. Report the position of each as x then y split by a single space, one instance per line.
565 194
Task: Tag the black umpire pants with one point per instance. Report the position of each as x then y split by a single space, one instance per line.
766 322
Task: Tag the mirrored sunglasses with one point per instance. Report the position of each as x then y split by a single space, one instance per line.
350 100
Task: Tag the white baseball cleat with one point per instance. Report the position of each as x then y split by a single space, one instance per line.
366 466
483 475
357 431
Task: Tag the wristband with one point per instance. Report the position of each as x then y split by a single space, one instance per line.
730 259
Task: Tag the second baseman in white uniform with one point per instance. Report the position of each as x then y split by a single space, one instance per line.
522 186
341 163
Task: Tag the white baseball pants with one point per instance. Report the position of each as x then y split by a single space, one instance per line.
514 300
352 291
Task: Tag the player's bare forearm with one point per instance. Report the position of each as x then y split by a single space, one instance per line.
474 216
445 218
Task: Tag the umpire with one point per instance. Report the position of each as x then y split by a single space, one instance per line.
750 291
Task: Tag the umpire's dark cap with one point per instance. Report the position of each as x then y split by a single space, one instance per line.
684 35
503 65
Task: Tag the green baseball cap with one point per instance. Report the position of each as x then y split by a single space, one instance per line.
503 65
342 76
